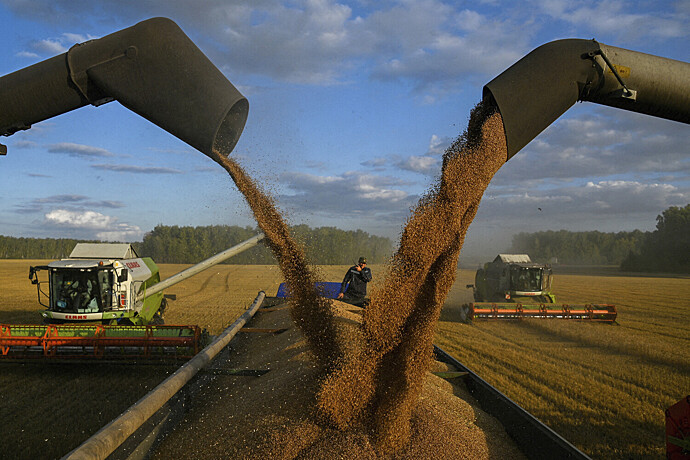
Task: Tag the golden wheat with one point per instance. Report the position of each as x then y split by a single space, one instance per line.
604 388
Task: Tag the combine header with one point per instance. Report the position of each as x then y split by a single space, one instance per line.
589 312
514 287
99 341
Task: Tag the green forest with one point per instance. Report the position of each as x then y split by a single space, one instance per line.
666 249
578 248
188 245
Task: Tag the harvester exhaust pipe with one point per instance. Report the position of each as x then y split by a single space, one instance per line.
152 68
540 87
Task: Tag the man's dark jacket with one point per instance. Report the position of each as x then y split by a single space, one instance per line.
356 282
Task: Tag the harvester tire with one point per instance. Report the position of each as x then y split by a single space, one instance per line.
157 320
478 285
158 316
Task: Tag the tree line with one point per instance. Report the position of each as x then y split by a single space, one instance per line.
189 245
578 248
36 248
666 249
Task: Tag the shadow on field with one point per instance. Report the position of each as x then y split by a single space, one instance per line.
611 346
21 317
55 406
639 439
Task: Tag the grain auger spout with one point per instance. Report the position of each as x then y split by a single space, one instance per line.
152 68
540 87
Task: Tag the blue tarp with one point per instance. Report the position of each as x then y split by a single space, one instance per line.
329 290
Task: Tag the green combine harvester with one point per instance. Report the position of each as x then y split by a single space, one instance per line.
105 300
514 287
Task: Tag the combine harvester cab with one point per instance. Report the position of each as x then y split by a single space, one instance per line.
514 287
100 283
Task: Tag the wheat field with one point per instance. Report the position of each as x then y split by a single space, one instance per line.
602 387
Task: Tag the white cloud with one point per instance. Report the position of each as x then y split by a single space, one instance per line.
79 150
137 169
421 164
121 232
93 223
376 163
24 144
320 41
593 143
65 200
82 219
71 39
437 46
438 145
49 47
27 54
348 195
612 205
619 18
54 46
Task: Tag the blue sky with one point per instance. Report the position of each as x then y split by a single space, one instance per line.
351 107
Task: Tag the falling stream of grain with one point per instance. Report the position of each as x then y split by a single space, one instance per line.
378 384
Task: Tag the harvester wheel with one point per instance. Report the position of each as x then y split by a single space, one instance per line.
158 316
478 286
161 309
157 320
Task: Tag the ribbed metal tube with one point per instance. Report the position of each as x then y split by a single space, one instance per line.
201 266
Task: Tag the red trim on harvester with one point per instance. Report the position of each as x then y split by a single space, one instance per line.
588 312
678 430
20 341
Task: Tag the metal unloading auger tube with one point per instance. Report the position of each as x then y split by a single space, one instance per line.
201 266
152 68
532 93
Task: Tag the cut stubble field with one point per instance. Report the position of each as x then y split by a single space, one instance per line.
602 387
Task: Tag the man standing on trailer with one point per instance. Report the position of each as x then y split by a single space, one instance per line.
353 289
